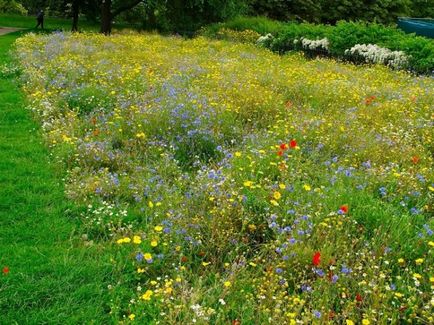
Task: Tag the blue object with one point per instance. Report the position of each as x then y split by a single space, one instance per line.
420 26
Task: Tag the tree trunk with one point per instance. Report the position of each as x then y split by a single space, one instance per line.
106 17
75 12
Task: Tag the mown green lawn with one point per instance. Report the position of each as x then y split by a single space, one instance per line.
53 24
50 23
53 277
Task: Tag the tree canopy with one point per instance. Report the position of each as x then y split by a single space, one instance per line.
189 15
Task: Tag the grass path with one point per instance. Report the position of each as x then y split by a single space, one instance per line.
53 278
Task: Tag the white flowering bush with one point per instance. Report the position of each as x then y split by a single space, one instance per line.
313 45
372 53
265 41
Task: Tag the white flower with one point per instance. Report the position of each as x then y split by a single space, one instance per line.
315 44
372 53
264 40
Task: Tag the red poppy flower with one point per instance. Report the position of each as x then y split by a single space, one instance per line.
369 100
283 146
184 259
359 297
344 208
236 322
293 143
415 159
280 153
5 270
316 259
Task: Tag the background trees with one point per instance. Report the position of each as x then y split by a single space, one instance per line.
188 15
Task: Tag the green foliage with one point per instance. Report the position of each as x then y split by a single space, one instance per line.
258 24
422 8
343 36
12 7
188 16
288 9
383 11
331 11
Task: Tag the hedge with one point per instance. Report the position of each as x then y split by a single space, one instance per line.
341 37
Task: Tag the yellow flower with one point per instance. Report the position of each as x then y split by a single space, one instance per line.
206 263
132 316
431 188
147 256
227 284
307 187
398 294
431 243
238 154
248 183
277 195
147 295
417 276
140 135
419 261
274 202
154 243
366 322
431 279
150 204
123 240
137 240
252 227
282 186
140 270
401 261
349 322
158 228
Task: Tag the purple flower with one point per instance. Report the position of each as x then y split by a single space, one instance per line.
319 272
306 288
139 257
317 314
345 270
428 230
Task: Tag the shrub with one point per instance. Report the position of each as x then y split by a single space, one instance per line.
260 25
12 7
419 51
245 36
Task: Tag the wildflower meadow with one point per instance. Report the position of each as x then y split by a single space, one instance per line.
233 185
